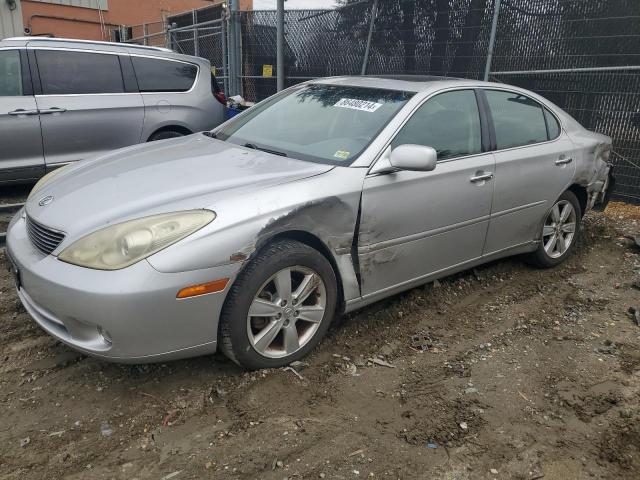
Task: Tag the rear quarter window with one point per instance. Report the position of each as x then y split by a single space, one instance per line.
159 75
553 127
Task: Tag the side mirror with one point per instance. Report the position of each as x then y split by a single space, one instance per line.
414 157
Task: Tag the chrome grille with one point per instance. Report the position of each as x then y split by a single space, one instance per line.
43 238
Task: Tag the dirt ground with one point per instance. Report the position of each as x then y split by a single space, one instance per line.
10 195
505 372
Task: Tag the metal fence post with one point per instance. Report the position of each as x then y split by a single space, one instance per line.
145 34
168 43
196 43
231 45
492 40
235 84
365 60
280 45
225 65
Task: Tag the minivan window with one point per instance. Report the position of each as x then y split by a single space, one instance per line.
553 127
448 122
158 75
10 74
518 120
65 72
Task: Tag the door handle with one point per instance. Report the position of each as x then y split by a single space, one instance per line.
22 111
49 111
482 177
564 161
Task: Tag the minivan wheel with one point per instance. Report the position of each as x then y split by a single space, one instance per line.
559 231
165 134
279 308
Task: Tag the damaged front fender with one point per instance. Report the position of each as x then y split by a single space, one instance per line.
324 207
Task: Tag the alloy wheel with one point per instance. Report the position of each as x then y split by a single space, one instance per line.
559 229
286 312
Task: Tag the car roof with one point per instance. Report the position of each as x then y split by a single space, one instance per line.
406 83
93 45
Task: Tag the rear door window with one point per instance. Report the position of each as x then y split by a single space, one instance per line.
448 122
10 74
158 75
65 72
517 119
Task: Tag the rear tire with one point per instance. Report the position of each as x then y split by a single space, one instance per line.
292 289
164 135
559 234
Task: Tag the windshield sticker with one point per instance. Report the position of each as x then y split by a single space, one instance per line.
342 154
362 105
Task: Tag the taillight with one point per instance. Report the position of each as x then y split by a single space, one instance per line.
221 97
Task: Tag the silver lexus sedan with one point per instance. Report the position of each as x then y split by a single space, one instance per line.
324 198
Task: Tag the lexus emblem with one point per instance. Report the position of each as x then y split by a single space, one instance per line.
45 201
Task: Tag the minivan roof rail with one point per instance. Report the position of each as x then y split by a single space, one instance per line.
94 42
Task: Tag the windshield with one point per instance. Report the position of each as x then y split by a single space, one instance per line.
321 123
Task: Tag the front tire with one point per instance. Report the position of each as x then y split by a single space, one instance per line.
279 308
165 134
559 231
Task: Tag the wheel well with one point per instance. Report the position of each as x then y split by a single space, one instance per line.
581 193
171 128
317 244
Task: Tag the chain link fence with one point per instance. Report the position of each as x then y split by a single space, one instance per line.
584 55
153 34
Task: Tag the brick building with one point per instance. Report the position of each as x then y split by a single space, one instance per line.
98 19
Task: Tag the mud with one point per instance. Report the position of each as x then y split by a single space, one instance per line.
528 373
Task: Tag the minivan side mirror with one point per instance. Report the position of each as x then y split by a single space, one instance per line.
414 157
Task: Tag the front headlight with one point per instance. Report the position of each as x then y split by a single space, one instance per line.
124 244
46 179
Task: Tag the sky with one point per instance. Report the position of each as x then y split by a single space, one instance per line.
293 4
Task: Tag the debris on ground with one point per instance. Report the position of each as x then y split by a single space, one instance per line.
293 370
351 369
171 414
171 475
106 430
220 393
424 342
380 362
299 365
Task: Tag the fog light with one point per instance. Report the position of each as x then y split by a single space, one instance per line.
106 337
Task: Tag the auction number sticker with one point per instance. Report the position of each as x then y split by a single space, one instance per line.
362 105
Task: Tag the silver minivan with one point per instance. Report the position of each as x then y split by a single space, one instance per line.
64 100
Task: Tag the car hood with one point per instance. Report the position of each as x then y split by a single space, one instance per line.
171 175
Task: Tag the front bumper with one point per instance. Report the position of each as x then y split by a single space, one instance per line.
129 315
